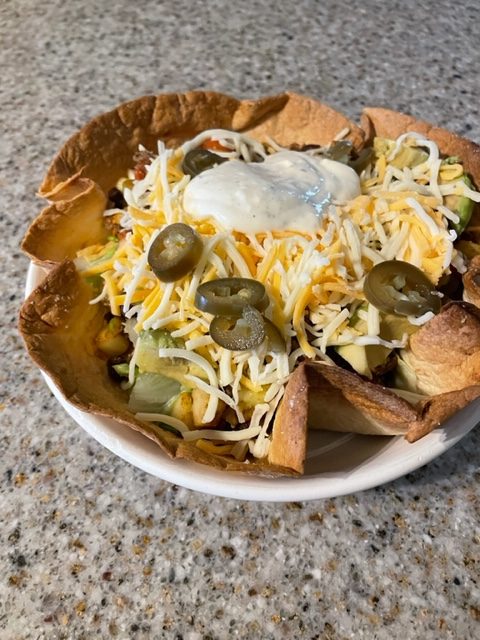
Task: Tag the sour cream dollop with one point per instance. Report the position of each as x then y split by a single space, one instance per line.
289 190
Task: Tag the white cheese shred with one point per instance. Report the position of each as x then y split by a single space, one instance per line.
209 370
162 417
314 280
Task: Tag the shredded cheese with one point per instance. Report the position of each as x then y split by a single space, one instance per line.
314 281
162 417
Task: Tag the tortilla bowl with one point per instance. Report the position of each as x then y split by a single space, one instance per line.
59 326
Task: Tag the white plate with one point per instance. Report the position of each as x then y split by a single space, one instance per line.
336 465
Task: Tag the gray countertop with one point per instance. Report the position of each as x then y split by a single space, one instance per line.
93 547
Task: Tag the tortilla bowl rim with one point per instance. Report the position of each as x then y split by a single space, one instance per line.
105 412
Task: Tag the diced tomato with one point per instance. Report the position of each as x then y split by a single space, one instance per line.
214 145
140 173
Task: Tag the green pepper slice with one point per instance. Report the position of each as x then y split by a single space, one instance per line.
198 160
175 252
339 151
239 334
229 296
342 150
401 288
276 341
365 157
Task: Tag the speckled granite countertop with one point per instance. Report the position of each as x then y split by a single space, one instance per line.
92 547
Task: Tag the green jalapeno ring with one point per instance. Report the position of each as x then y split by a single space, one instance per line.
339 151
198 160
239 334
228 296
175 252
276 341
416 297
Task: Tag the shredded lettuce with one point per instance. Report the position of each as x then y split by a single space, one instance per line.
153 393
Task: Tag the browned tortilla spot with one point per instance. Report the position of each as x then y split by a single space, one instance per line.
288 446
471 282
432 412
444 354
340 400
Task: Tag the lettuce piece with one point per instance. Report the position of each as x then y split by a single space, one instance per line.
107 253
153 393
150 342
122 369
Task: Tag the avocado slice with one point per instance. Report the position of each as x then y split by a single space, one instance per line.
406 156
96 282
364 359
451 160
405 377
150 341
153 393
122 369
107 252
462 206
147 360
469 248
394 327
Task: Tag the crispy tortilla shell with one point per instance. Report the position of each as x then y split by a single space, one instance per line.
92 161
104 148
339 400
66 226
386 123
289 433
444 354
59 329
471 282
59 326
442 359
434 411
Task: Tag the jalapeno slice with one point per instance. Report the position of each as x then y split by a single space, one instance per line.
229 296
399 287
198 160
239 334
340 151
276 341
175 252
